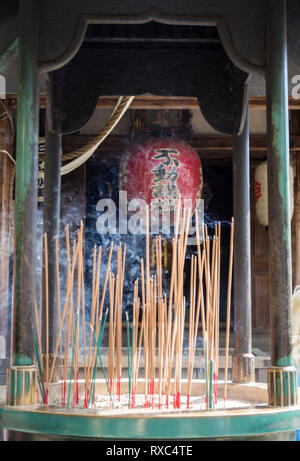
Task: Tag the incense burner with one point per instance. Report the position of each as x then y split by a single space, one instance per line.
255 421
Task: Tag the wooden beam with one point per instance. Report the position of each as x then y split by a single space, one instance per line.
206 145
161 102
152 102
259 103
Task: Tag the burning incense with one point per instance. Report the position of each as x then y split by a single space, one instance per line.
40 372
69 287
99 341
228 310
72 363
129 360
111 343
217 312
161 330
103 369
118 322
47 308
95 289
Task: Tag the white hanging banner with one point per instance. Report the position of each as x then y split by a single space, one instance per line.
261 193
41 171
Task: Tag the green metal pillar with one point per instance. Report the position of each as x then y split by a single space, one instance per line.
282 373
22 372
7 58
243 367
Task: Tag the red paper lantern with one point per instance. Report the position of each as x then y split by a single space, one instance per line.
161 169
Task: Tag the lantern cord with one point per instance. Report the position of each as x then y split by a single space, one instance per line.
7 115
12 171
79 156
82 154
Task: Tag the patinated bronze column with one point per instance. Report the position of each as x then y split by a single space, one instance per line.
6 212
282 373
243 367
21 374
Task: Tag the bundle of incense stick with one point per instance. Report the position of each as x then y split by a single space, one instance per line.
155 334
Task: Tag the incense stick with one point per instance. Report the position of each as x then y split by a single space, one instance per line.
47 309
99 341
103 369
228 310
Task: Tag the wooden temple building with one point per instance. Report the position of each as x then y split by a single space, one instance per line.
224 76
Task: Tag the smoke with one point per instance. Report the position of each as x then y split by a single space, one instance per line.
211 220
103 183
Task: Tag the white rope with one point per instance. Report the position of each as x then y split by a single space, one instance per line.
3 117
8 154
297 288
77 162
